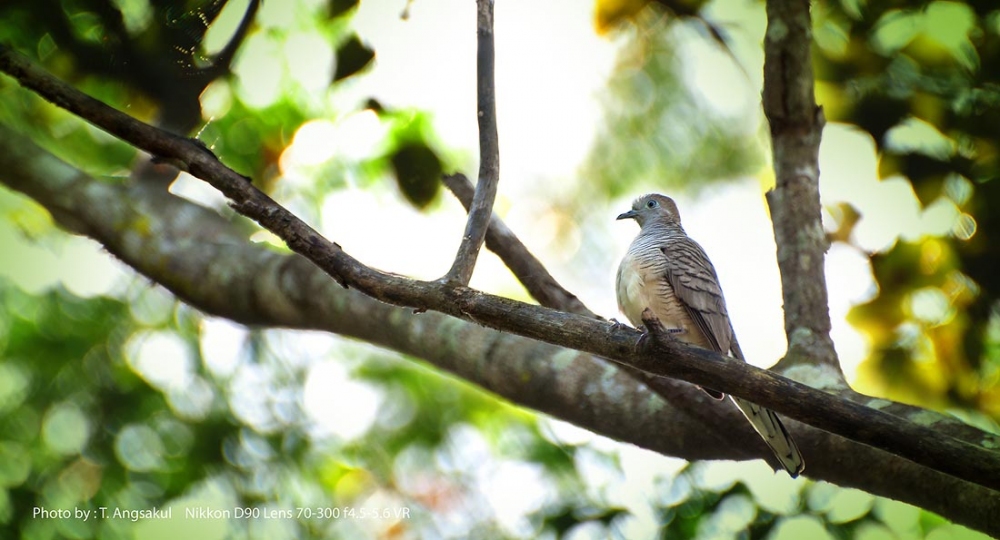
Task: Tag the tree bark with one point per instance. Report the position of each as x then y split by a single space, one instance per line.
975 462
796 129
203 260
481 207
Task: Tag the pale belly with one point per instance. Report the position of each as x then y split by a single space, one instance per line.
640 287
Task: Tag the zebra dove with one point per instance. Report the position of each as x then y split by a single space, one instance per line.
669 273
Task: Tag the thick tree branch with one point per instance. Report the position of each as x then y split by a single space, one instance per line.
796 127
489 151
918 443
544 288
201 258
526 267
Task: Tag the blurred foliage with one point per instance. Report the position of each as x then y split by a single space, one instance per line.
415 165
657 129
152 61
352 57
90 420
609 14
923 79
130 400
418 172
341 7
152 49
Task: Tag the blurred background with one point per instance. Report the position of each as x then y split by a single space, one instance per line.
113 393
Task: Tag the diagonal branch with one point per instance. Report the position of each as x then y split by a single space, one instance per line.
526 267
489 152
919 443
205 260
796 128
544 288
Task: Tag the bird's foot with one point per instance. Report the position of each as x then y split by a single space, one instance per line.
715 394
666 334
653 327
642 339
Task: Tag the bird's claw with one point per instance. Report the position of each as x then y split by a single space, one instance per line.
663 333
642 339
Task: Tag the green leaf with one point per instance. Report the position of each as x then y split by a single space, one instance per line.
352 57
418 172
336 8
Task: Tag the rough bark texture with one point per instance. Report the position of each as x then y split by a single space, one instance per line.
205 261
796 128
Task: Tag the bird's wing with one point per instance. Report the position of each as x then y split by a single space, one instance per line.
696 285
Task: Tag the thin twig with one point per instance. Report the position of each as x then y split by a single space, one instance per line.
526 268
918 443
796 128
489 151
222 61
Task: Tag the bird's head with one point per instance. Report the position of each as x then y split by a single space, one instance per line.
653 208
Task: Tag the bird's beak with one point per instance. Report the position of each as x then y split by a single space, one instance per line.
631 214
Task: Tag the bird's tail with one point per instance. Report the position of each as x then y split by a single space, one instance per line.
769 427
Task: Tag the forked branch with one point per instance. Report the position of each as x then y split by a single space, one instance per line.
918 443
526 267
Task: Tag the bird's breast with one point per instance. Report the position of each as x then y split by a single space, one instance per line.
630 288
642 283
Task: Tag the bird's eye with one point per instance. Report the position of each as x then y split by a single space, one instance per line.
651 204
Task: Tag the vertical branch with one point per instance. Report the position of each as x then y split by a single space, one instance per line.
796 128
489 151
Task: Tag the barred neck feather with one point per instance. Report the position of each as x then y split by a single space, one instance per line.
662 229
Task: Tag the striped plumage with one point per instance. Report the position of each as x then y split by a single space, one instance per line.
669 273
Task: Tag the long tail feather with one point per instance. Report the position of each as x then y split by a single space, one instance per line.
770 428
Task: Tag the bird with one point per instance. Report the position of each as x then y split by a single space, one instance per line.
667 272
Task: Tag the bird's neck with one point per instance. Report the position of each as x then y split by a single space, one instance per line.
662 228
